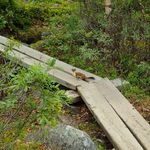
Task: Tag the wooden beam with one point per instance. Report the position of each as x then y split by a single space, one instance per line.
61 77
44 58
104 113
133 120
117 132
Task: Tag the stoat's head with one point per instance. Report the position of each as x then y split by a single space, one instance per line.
73 69
73 72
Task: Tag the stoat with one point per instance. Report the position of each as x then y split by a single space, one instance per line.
80 75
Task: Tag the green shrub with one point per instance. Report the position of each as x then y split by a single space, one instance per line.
141 76
31 96
3 22
28 97
18 15
14 15
133 92
30 35
125 31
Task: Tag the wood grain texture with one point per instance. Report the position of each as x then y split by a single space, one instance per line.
44 58
61 77
117 132
133 120
95 98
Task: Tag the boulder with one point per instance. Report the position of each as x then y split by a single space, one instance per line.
63 137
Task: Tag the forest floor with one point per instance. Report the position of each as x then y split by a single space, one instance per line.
84 120
50 34
80 117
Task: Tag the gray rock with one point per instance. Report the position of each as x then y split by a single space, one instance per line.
119 82
74 95
63 137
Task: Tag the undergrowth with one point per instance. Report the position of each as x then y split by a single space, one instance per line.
81 34
29 99
109 46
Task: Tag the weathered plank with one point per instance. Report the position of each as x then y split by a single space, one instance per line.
133 120
44 58
60 76
117 132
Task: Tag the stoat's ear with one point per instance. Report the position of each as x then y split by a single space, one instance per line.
73 69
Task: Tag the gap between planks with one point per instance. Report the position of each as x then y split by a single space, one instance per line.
44 58
129 115
61 77
66 80
116 130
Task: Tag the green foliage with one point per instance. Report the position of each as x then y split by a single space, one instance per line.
140 76
100 147
88 53
3 22
133 92
51 63
13 15
27 81
30 35
9 47
105 45
126 64
33 93
38 45
27 97
62 38
16 15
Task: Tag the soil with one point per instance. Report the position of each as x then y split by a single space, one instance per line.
85 121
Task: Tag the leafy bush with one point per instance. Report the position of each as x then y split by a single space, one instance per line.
14 15
133 92
105 45
18 15
80 33
28 97
140 76
3 22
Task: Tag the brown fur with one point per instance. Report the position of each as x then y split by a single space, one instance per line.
80 75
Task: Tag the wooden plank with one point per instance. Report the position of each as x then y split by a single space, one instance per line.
69 81
44 58
61 77
133 120
117 132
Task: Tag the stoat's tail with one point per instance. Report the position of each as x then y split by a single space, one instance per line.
89 79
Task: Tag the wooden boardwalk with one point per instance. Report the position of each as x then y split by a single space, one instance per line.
124 126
